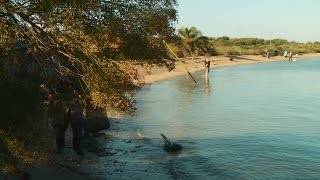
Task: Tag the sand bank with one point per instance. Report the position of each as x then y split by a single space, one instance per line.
197 63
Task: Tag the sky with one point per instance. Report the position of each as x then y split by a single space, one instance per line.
294 20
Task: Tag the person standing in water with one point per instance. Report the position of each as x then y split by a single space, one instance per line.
207 67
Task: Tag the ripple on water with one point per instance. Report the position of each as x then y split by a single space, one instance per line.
256 121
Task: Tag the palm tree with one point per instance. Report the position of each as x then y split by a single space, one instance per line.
193 40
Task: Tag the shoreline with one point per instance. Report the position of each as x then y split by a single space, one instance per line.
194 64
123 144
128 144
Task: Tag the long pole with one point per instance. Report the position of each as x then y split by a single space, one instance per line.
174 54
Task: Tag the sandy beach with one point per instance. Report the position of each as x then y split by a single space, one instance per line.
197 63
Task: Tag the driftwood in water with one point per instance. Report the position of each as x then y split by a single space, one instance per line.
169 146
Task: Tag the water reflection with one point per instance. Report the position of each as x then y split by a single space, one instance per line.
187 92
207 89
259 121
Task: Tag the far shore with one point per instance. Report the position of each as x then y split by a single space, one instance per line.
194 64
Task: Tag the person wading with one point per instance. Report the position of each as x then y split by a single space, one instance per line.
207 67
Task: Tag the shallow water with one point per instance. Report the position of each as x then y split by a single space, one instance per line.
258 121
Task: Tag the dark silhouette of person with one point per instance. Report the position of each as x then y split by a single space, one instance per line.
290 56
73 115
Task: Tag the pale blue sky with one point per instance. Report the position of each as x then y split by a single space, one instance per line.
297 20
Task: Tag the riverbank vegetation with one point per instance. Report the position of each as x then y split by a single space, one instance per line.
193 43
52 53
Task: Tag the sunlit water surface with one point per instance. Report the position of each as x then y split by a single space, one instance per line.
259 121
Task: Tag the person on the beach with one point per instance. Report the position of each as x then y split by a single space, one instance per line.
285 54
207 67
73 115
290 56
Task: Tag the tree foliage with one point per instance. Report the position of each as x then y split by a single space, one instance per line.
53 53
190 41
193 41
75 50
255 46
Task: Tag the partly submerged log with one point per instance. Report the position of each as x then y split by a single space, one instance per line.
169 146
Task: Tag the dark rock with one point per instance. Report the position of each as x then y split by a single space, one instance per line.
169 146
173 147
97 121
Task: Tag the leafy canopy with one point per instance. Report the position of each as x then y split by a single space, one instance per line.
76 50
193 40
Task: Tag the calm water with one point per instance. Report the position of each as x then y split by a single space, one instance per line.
256 121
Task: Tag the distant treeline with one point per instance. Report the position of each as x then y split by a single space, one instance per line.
193 43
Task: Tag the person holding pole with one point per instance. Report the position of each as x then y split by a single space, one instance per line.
207 67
